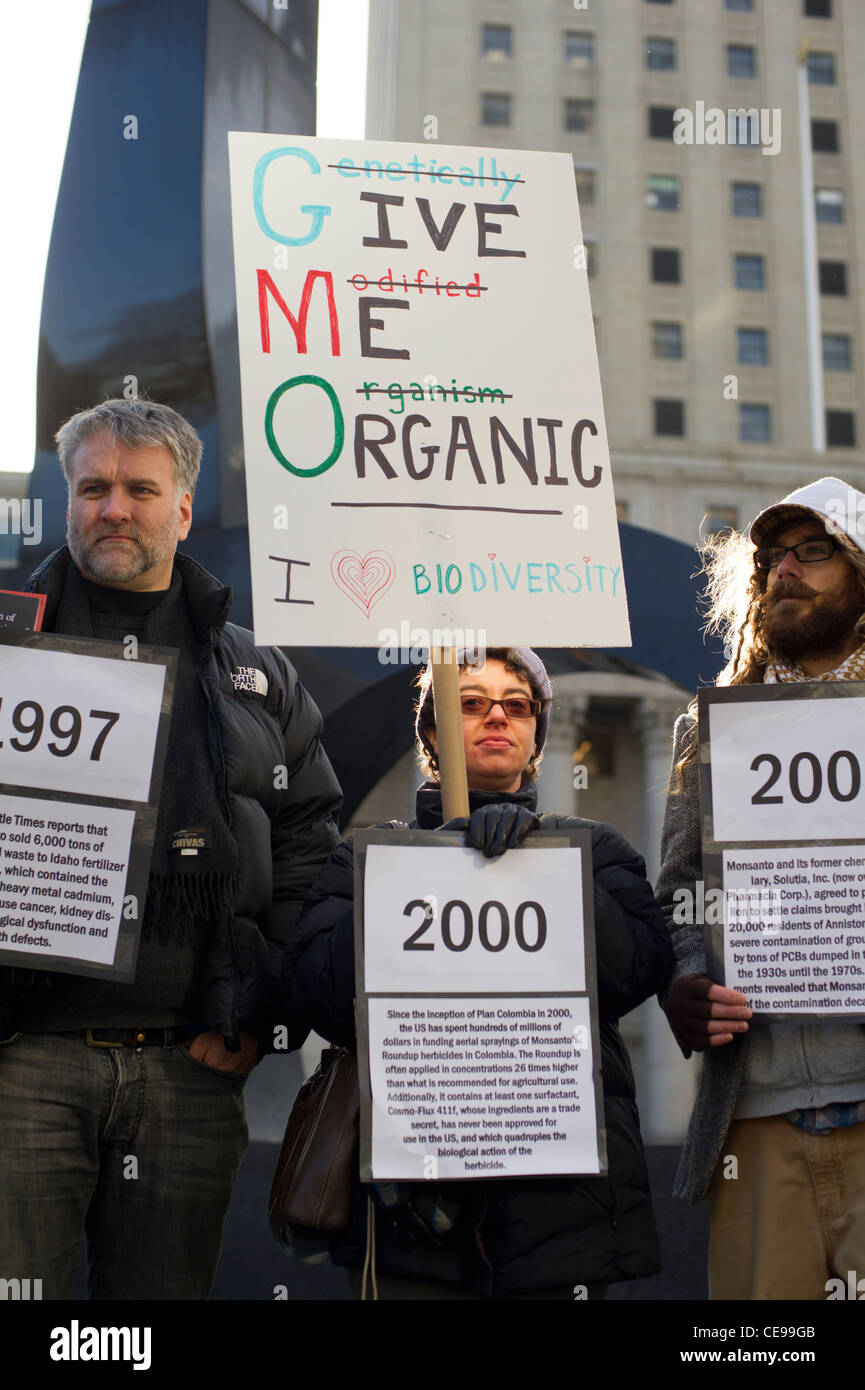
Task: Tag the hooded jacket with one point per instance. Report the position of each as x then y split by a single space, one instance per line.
283 827
516 1235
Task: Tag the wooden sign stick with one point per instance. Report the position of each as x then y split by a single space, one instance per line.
449 732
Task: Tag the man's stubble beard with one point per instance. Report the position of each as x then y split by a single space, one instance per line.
120 564
822 629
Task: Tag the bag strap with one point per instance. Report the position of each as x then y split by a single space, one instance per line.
369 1261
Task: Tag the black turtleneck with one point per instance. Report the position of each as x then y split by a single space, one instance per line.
428 804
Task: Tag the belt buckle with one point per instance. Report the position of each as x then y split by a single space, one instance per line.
96 1042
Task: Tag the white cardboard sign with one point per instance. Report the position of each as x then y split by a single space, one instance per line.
423 424
803 950
788 770
782 794
62 889
80 724
83 740
427 911
486 1111
476 1028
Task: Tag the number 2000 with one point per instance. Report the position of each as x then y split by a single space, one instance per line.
495 941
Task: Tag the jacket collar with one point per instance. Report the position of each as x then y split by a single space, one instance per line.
428 807
209 601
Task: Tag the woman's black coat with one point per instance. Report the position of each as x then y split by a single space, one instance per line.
517 1235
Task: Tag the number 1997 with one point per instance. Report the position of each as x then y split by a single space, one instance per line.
64 723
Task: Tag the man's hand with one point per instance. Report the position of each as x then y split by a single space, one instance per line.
703 1014
210 1049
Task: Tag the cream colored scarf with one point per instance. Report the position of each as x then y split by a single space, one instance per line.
851 669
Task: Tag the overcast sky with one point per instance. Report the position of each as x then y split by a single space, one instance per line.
39 61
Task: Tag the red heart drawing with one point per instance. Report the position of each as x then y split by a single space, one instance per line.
491 554
587 558
365 578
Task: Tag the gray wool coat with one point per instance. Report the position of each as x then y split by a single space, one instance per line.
723 1068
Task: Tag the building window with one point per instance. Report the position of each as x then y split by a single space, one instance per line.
661 55
662 193
579 115
495 108
837 353
739 4
585 180
750 272
719 521
579 50
743 128
665 267
741 60
597 751
661 122
817 9
824 137
830 204
623 511
833 277
747 200
667 340
755 424
669 417
497 41
821 69
840 429
753 346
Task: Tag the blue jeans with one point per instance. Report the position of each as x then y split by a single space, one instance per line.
137 1150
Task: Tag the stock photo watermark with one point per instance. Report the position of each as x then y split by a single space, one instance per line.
22 516
736 126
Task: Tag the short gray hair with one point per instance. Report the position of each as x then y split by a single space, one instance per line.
135 422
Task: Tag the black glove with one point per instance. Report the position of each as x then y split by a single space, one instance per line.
493 829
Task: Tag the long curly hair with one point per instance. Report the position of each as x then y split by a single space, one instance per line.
734 611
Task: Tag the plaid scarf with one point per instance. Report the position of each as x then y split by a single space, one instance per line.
852 668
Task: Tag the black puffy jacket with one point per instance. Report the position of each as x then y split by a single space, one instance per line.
515 1235
284 833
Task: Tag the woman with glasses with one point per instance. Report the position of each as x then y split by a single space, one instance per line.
513 1238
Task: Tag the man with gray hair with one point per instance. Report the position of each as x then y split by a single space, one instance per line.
94 1074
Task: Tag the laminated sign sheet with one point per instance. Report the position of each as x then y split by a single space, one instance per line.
425 448
83 735
477 1011
784 844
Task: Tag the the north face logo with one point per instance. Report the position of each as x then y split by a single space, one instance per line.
249 678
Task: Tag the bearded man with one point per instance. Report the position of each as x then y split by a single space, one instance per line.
786 1099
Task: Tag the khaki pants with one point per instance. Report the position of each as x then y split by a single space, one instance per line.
793 1217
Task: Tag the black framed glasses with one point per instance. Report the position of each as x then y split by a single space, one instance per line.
515 706
768 557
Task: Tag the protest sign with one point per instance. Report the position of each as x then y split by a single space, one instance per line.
425 449
20 612
476 1008
83 734
782 795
